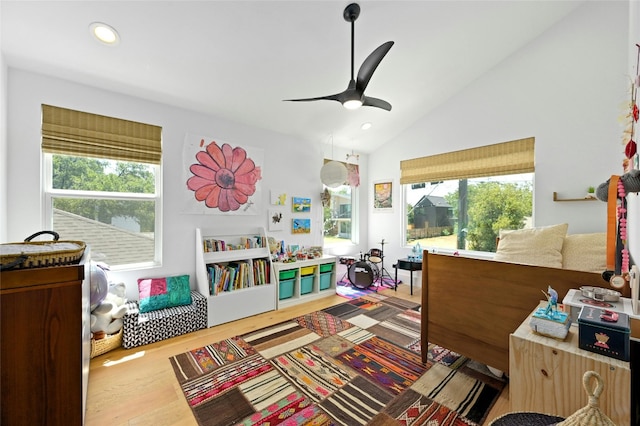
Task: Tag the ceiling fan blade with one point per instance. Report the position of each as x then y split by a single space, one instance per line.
335 97
370 64
375 102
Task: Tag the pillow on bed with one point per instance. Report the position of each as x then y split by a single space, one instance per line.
585 252
540 246
160 293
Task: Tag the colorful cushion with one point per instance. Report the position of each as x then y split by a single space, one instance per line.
160 293
540 246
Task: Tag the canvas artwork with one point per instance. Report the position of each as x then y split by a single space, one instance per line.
276 221
278 198
300 226
221 178
301 205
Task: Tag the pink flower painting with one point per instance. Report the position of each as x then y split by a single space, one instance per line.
224 178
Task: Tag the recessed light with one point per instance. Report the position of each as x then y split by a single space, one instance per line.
104 33
365 126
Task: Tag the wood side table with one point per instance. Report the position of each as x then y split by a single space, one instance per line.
546 376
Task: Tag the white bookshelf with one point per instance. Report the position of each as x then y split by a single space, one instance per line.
234 303
316 278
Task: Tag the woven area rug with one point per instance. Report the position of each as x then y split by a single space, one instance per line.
345 289
355 363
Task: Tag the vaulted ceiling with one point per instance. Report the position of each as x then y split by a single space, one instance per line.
238 60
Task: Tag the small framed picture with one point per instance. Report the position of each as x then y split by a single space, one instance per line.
383 196
276 221
300 226
301 205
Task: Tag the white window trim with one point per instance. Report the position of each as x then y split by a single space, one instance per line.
48 193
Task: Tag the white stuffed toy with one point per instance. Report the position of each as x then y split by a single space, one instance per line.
106 318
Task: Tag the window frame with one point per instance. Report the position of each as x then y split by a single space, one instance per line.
445 250
49 194
355 225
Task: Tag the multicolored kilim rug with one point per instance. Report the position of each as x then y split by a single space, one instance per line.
347 290
351 364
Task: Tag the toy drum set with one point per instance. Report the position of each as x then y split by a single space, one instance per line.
368 270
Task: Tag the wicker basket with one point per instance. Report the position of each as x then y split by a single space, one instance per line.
109 343
40 254
590 415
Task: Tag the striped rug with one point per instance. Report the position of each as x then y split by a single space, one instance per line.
355 363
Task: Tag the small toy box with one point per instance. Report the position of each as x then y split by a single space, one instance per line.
326 267
306 284
288 274
286 289
325 280
604 332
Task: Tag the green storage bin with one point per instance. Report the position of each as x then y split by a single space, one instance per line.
306 285
327 267
325 281
285 290
288 274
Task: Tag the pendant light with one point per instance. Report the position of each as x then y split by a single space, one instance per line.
333 173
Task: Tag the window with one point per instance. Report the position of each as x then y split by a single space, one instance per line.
461 200
339 218
103 186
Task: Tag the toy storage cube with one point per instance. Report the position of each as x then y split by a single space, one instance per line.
306 284
325 280
286 289
327 267
307 270
288 274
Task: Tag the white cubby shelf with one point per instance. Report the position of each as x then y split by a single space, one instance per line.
304 280
253 294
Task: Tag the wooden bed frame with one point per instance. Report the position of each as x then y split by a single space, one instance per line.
471 306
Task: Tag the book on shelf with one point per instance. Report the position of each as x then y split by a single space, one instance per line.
243 243
230 276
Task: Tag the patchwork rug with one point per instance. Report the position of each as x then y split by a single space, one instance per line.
354 363
347 290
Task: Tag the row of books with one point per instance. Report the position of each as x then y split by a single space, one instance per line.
237 275
214 244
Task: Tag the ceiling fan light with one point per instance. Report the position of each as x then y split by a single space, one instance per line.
352 104
333 174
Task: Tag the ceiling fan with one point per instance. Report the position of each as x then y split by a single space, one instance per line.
353 97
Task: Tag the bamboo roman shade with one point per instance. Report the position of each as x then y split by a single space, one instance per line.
492 160
70 132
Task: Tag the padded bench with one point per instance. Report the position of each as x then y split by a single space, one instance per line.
145 328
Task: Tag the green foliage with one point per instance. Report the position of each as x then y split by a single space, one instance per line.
88 174
493 206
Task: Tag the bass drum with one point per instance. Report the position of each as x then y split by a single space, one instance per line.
361 274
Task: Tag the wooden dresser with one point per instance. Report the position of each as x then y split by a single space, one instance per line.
45 345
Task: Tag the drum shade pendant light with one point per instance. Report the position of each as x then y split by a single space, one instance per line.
333 173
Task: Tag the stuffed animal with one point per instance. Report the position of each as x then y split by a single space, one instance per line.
117 294
106 318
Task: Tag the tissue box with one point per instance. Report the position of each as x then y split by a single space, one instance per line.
603 337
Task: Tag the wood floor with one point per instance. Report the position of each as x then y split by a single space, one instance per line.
138 387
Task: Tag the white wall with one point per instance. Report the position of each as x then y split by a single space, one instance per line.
565 89
3 144
3 149
289 165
